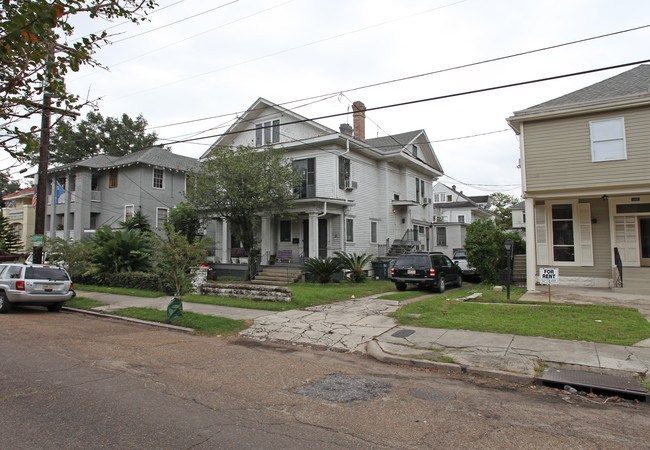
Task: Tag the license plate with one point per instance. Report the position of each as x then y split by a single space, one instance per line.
411 271
47 287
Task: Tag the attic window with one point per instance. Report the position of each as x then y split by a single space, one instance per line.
414 150
267 132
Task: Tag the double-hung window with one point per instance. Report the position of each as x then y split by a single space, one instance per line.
112 178
607 139
306 169
158 178
129 210
373 232
267 132
349 230
562 229
441 236
344 171
161 216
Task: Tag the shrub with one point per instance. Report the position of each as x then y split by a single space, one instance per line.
484 243
121 251
355 264
136 280
323 268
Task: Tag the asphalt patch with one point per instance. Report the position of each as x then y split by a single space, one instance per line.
430 394
344 388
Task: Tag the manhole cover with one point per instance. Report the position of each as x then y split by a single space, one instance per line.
428 394
344 388
402 333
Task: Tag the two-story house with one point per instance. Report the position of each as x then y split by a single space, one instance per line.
453 211
358 195
105 190
19 212
585 161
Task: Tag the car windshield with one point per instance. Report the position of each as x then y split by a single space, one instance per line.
413 261
46 273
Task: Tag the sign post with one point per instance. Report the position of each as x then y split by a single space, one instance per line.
549 276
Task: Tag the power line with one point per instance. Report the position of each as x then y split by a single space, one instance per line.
449 69
440 97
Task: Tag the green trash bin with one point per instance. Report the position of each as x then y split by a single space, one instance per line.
174 308
380 269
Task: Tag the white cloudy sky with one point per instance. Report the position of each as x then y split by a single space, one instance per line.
220 61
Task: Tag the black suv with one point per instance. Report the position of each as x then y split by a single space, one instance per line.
431 270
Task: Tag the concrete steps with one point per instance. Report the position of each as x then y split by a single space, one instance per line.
278 276
636 280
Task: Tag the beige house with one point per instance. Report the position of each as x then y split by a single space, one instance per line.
20 213
585 161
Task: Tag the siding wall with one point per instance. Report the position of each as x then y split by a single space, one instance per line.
558 153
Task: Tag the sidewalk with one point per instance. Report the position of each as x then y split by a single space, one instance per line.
362 326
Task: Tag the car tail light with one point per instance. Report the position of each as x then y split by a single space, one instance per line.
392 271
71 286
20 285
432 272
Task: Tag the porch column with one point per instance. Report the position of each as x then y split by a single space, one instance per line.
531 249
225 242
67 225
313 235
265 246
53 208
344 239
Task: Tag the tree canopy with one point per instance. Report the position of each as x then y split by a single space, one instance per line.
33 60
95 135
501 206
240 185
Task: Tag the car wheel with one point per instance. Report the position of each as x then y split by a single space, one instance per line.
459 281
5 306
441 285
400 286
55 307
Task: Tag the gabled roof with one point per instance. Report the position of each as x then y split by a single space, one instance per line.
521 205
21 193
386 144
480 198
627 89
152 156
252 115
634 82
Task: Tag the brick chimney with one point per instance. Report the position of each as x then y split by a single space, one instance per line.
359 119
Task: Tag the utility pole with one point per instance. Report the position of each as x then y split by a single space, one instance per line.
41 187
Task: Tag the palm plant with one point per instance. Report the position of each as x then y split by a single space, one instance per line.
355 264
121 251
323 268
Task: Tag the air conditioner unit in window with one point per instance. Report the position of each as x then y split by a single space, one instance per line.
426 200
349 185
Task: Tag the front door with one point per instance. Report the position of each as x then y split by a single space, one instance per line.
644 240
322 238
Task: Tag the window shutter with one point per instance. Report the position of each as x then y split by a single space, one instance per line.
540 235
586 246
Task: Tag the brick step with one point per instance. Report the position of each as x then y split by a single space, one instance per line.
264 278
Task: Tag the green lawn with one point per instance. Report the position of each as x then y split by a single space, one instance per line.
304 295
594 323
84 303
199 322
118 290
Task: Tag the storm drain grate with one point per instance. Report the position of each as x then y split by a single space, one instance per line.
430 394
402 333
344 388
593 382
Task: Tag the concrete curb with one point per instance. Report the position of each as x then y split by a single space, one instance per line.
130 319
374 350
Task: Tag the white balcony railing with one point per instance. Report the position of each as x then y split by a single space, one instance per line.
96 196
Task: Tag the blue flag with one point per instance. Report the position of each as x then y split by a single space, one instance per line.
59 191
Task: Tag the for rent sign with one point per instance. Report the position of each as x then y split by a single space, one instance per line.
549 275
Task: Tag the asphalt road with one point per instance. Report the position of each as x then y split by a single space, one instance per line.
73 381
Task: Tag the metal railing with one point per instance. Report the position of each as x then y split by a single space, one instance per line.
619 267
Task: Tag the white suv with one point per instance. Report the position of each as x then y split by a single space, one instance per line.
34 284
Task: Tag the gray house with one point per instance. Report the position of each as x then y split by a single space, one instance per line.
105 190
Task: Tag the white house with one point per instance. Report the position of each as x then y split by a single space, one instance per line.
453 212
358 195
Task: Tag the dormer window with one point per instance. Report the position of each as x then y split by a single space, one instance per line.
267 132
414 150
